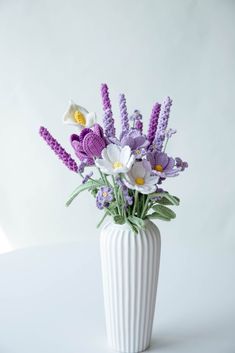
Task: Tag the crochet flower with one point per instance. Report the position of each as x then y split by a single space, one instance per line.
79 116
139 178
162 165
135 140
104 197
115 159
58 149
89 144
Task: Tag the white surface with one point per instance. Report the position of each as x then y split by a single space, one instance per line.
130 267
48 305
54 50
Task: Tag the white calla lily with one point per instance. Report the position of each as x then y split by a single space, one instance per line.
79 116
139 178
115 159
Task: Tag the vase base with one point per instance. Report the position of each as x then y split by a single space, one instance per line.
131 351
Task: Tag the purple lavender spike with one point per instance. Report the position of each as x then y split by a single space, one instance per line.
124 114
58 149
162 123
153 122
108 120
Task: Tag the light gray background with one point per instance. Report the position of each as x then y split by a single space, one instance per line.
52 51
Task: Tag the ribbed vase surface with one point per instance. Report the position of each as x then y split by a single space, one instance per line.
130 266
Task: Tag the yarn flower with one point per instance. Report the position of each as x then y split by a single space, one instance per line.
89 144
108 120
79 116
58 149
162 123
162 165
139 177
124 114
115 159
104 197
135 140
153 122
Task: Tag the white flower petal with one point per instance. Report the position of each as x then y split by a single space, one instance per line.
104 166
125 155
130 162
138 170
152 180
90 119
114 152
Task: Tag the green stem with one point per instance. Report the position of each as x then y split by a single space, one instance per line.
165 145
116 195
135 202
101 174
145 207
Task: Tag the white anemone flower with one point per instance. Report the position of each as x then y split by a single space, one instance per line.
79 116
115 159
139 178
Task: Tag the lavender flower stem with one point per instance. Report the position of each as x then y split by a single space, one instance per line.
58 149
153 122
108 120
124 114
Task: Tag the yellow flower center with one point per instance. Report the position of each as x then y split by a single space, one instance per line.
105 194
158 168
79 118
137 151
139 181
117 165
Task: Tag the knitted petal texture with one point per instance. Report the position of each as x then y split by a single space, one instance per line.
153 122
58 149
124 114
108 120
162 123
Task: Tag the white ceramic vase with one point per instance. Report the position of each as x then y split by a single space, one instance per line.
130 266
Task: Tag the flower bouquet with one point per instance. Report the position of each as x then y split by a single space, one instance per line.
130 169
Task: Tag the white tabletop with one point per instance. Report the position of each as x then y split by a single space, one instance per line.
51 301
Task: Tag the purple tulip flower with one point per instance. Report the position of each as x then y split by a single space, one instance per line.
89 144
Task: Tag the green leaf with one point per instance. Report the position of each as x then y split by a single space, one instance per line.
89 185
133 227
156 215
175 200
118 219
164 211
137 221
166 198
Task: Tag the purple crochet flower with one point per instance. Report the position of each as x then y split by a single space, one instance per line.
59 151
104 197
89 144
127 198
135 140
162 124
180 164
108 120
124 114
162 165
153 122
